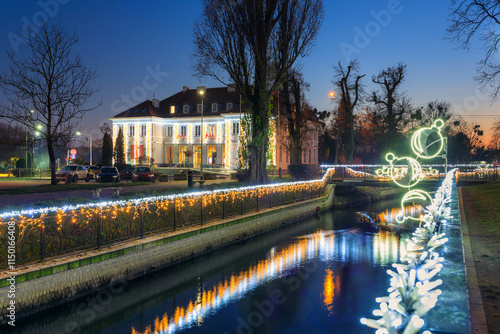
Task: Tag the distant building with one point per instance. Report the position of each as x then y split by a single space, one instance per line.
169 131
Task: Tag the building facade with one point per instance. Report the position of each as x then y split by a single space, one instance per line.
172 132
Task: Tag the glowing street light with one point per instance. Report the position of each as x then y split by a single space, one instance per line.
332 94
201 91
78 133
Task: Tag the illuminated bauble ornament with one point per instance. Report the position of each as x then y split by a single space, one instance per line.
413 197
413 173
428 142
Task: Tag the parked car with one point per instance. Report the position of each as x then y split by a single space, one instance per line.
76 172
93 171
108 174
126 174
143 174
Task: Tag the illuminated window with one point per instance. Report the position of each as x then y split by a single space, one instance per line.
214 107
131 131
197 130
183 130
182 154
212 154
169 131
143 130
236 128
172 109
211 132
185 109
229 106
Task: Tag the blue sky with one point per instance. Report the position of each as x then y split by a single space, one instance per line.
143 48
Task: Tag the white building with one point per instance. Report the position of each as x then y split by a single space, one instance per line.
170 131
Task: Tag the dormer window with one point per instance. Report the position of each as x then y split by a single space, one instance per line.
185 109
172 109
215 107
229 106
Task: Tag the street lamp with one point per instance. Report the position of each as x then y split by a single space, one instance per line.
78 133
201 91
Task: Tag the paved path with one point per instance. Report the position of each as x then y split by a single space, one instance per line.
7 201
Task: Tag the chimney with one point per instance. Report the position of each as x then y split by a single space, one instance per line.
231 88
185 88
156 103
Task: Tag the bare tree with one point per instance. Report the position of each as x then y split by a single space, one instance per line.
297 116
479 18
48 89
255 43
390 98
350 90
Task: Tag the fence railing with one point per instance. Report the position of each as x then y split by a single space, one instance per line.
466 172
49 232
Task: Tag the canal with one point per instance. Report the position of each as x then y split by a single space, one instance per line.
319 275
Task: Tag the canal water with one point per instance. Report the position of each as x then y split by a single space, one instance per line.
319 275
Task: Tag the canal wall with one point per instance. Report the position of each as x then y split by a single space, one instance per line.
56 281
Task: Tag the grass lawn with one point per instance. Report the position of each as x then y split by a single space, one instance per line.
482 211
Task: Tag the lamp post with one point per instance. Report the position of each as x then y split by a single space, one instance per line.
78 133
201 91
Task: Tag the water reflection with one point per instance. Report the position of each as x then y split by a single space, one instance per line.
347 246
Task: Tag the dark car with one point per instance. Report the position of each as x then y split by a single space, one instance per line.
143 174
108 174
126 174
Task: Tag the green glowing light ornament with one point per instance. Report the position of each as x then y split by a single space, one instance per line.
405 177
414 196
419 141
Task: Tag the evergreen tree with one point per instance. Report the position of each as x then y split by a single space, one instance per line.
107 150
119 149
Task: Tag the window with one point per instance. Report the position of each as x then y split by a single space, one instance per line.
211 132
212 154
236 128
310 156
143 130
229 106
198 108
214 107
169 131
182 154
172 109
183 130
120 128
197 130
185 109
131 131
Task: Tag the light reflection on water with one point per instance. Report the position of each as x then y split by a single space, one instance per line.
348 246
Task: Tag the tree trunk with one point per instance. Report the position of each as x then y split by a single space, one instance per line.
260 142
52 162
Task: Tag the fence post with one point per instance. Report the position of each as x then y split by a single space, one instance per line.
142 220
201 209
175 216
271 198
257 199
42 240
224 206
241 197
99 217
283 196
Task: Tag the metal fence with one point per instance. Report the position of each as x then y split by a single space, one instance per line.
41 235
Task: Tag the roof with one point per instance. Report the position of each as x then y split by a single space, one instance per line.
190 97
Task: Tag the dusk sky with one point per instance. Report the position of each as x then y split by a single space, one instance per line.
143 48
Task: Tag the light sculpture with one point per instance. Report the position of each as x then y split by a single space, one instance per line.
412 293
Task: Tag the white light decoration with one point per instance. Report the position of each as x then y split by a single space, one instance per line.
228 144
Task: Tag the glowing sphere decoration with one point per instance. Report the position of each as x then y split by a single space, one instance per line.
428 143
413 173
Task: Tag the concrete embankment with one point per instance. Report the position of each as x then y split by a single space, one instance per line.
43 285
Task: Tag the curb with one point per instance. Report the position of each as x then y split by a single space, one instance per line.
476 308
